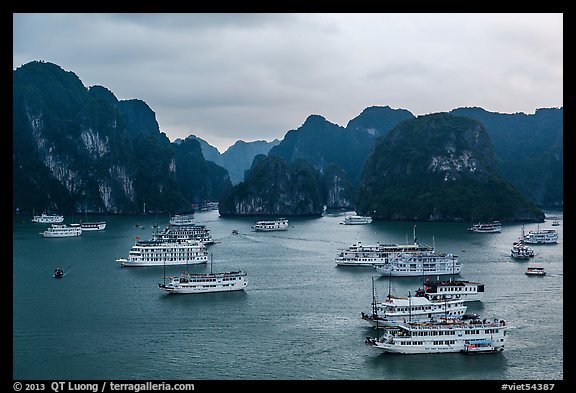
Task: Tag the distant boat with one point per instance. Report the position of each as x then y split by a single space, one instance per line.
280 224
357 220
48 218
58 273
62 230
541 236
535 271
93 226
178 220
493 227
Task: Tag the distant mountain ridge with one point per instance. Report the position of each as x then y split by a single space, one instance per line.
82 149
237 159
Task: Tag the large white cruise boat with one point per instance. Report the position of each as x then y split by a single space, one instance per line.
541 236
425 263
447 336
48 218
62 230
468 291
178 233
357 220
492 227
158 253
395 310
280 224
206 282
359 254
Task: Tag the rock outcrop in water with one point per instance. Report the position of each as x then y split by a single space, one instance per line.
438 167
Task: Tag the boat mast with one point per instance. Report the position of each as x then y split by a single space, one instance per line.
374 307
410 305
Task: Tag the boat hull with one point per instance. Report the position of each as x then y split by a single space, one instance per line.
133 263
420 273
181 289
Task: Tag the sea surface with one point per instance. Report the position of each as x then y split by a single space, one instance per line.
298 319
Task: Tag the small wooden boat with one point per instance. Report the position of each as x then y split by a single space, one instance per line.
58 273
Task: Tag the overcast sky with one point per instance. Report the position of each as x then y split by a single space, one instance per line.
225 77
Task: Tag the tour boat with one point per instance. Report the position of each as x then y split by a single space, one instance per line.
541 236
271 225
468 291
520 250
359 254
176 233
493 227
62 230
446 336
48 218
535 271
179 219
93 226
425 263
356 220
395 310
158 253
205 282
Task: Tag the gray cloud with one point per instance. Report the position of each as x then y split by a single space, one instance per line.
225 77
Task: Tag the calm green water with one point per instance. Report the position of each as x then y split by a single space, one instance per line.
299 318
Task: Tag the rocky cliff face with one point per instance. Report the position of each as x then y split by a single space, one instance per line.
438 167
528 150
81 150
275 188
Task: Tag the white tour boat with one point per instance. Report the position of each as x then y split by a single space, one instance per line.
426 263
48 218
535 271
179 219
62 230
468 291
177 233
158 253
541 236
493 227
356 220
93 226
271 225
395 310
206 282
520 250
447 336
359 254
